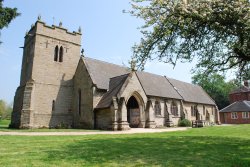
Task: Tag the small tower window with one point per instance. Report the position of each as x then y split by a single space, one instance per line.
53 105
61 54
56 53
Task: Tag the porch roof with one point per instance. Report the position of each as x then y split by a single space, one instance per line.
115 84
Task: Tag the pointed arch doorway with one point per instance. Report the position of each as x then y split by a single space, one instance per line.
133 112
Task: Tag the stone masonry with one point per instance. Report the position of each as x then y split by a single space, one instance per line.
44 80
61 89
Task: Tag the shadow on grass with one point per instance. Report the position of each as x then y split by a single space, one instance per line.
163 151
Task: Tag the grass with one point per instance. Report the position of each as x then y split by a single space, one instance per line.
213 146
4 123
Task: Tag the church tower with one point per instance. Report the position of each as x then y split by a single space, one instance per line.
44 97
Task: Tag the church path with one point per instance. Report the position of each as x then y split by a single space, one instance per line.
131 131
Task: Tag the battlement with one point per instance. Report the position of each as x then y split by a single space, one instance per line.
54 32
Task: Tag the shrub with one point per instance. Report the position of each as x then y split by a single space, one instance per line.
184 123
62 125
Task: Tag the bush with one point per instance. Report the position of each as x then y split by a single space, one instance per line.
62 126
184 123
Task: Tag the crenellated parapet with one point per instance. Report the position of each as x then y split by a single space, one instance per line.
53 31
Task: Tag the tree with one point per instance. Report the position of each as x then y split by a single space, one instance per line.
5 110
2 107
215 32
216 86
7 15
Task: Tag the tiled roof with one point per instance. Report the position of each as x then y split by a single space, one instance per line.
110 76
191 93
241 89
100 71
115 85
156 85
238 106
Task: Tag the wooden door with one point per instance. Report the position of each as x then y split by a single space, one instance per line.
134 117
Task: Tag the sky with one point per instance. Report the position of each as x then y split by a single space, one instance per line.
108 34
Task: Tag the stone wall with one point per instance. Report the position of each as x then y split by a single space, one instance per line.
207 112
160 119
103 119
45 69
132 87
175 118
52 79
83 83
184 107
97 95
17 108
47 115
27 61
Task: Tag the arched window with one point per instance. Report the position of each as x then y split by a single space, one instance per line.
204 110
193 111
79 101
165 109
56 53
157 108
61 54
174 109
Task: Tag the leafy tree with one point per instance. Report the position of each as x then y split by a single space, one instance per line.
215 32
2 107
7 15
216 86
5 110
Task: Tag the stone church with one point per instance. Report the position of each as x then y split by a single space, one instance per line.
61 88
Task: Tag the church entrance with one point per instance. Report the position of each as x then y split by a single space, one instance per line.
133 112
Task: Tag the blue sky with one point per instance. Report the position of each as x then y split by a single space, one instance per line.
108 34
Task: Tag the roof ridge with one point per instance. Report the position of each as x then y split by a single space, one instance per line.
246 102
150 73
119 76
102 61
183 81
228 106
175 88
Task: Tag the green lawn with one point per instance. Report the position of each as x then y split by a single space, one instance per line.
4 124
213 146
